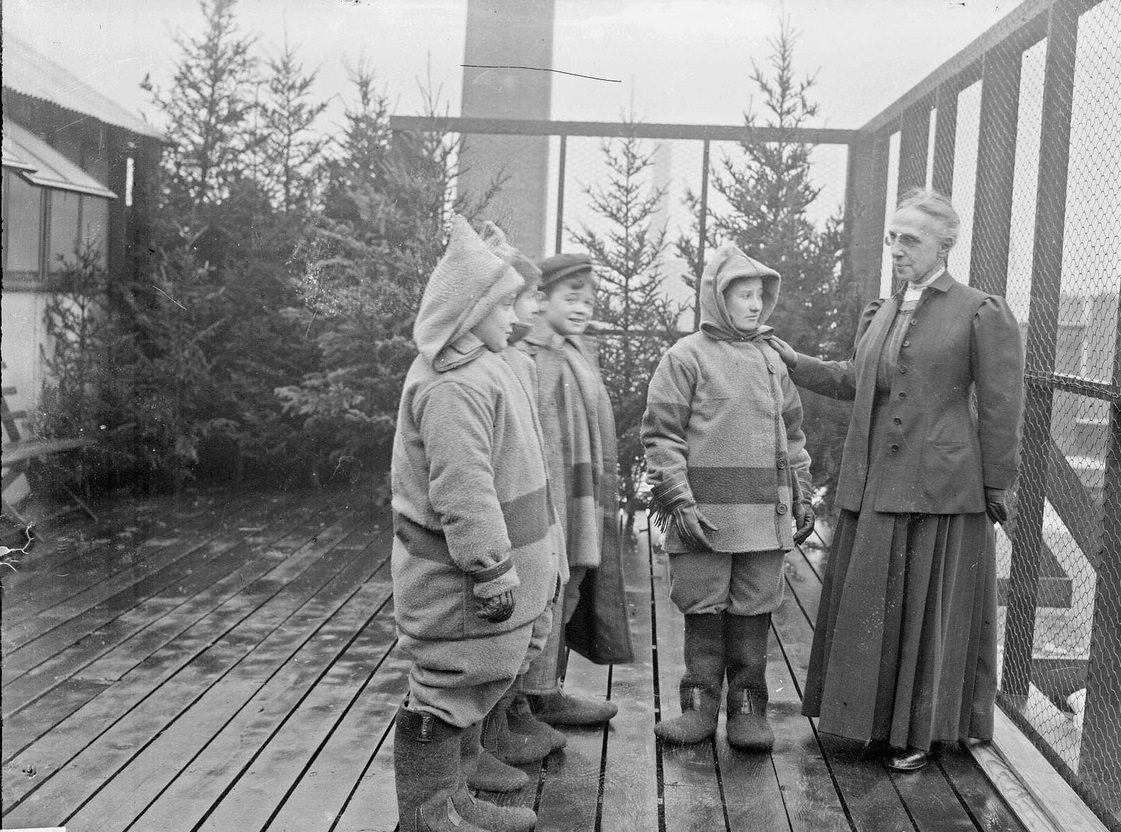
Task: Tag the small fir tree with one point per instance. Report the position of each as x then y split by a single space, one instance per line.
632 302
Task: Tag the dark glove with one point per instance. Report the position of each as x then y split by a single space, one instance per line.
804 522
496 609
691 526
996 504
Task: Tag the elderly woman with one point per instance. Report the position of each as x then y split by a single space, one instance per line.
905 646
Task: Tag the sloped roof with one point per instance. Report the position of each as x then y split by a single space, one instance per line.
42 165
28 71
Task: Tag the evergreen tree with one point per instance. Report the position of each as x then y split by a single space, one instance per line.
290 147
631 300
769 189
208 114
363 266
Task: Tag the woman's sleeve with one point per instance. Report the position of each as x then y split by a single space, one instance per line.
997 359
835 379
456 424
669 402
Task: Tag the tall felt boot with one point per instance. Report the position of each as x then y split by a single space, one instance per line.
427 771
483 770
520 718
509 747
701 684
483 813
560 708
746 647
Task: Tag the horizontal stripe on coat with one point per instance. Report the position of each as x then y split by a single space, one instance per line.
722 415
735 485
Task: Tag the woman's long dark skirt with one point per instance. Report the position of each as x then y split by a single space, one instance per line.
905 644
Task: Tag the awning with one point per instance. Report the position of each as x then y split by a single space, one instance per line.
42 165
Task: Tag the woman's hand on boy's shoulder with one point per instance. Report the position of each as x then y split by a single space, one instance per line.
785 351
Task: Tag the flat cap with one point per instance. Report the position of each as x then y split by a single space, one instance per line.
561 266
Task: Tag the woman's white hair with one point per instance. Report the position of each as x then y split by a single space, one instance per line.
936 206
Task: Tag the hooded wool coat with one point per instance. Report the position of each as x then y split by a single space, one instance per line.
723 421
472 514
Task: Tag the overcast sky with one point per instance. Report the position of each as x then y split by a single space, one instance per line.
679 61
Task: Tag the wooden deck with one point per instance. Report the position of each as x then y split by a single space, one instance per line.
226 661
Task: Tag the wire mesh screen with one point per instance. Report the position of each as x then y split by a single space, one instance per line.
1040 210
1060 659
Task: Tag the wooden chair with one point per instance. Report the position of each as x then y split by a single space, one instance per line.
18 452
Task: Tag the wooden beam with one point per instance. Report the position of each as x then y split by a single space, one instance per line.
608 129
914 142
1101 734
1041 799
1047 263
996 164
945 137
865 206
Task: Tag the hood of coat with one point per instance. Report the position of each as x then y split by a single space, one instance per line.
728 263
469 281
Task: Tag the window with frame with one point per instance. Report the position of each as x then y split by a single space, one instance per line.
23 227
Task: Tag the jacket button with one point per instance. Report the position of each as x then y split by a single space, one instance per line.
906 343
903 395
913 321
781 464
903 371
780 509
897 420
895 449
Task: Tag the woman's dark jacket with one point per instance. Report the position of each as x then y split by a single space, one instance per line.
940 453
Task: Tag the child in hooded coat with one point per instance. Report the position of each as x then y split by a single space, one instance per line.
476 540
728 467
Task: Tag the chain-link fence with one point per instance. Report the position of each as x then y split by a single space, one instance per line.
1018 131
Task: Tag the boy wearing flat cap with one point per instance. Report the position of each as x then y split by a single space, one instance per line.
727 461
475 549
581 457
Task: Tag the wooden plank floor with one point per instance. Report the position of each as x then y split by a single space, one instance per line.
226 661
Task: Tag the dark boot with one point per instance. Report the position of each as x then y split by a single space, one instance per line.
483 813
561 708
427 771
483 770
509 747
520 718
701 684
746 646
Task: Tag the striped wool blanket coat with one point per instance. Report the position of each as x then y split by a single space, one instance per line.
724 419
582 459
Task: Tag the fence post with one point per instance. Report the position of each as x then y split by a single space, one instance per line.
703 227
865 204
1047 263
560 192
1101 733
996 165
914 143
945 138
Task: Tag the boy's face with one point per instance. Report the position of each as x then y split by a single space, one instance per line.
568 306
495 328
744 300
